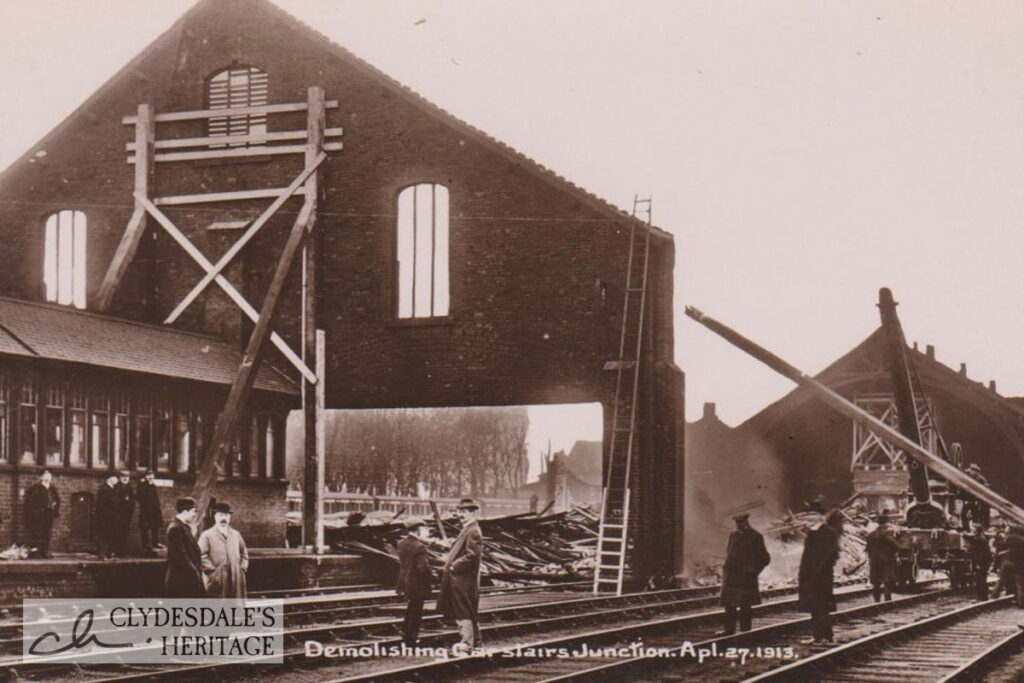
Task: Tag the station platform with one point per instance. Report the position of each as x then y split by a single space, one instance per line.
69 575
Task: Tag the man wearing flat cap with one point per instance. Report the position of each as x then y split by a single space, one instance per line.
413 577
459 598
225 559
150 516
184 578
745 557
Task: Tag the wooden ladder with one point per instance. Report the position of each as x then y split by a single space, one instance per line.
613 537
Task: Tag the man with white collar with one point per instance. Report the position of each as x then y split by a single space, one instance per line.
459 598
225 559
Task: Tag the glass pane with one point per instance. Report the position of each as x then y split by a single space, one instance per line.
424 245
441 298
65 246
269 449
120 441
50 259
54 442
78 262
184 443
162 443
142 443
99 429
405 252
76 446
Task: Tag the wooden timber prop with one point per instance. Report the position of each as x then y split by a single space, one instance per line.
883 431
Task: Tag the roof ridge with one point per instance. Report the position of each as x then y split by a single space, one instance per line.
550 174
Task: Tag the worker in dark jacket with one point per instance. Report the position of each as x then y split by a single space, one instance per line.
123 509
459 597
981 559
184 577
150 516
104 517
42 505
745 558
413 577
882 548
821 551
974 510
1011 573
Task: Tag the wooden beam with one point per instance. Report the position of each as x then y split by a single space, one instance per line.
321 436
234 111
239 153
312 491
277 136
212 197
251 361
223 282
145 134
257 225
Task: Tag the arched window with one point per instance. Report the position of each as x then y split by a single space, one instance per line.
423 251
237 86
64 258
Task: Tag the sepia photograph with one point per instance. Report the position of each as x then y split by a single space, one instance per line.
511 340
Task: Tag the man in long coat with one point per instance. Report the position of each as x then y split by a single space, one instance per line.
981 559
882 548
106 530
225 559
459 598
124 508
821 551
150 516
42 505
184 577
413 578
745 558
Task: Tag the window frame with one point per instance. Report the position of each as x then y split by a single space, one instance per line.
408 238
56 252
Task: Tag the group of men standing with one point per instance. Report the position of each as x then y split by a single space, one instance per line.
746 557
459 596
116 501
215 565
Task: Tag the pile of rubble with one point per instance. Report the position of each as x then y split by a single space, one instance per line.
518 548
792 529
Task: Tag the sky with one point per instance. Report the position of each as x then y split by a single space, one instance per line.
802 154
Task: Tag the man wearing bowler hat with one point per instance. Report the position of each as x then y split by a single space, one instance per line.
184 578
745 557
459 598
225 559
413 577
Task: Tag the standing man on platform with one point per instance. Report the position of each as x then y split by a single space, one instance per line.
225 559
981 559
184 577
413 577
105 517
745 557
821 551
124 507
42 505
881 547
459 598
150 516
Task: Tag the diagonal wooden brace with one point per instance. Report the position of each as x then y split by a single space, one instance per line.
244 239
206 477
223 282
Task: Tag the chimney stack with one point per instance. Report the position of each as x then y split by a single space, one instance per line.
709 409
930 352
992 386
963 369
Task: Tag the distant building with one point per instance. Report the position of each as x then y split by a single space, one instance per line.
798 447
582 477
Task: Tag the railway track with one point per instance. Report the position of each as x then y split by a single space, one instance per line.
500 622
958 645
649 647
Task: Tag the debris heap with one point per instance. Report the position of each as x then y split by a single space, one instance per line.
518 548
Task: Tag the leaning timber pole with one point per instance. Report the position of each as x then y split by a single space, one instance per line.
863 418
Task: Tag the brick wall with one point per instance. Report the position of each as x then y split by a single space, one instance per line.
537 267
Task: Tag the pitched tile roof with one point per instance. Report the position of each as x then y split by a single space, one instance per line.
59 333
